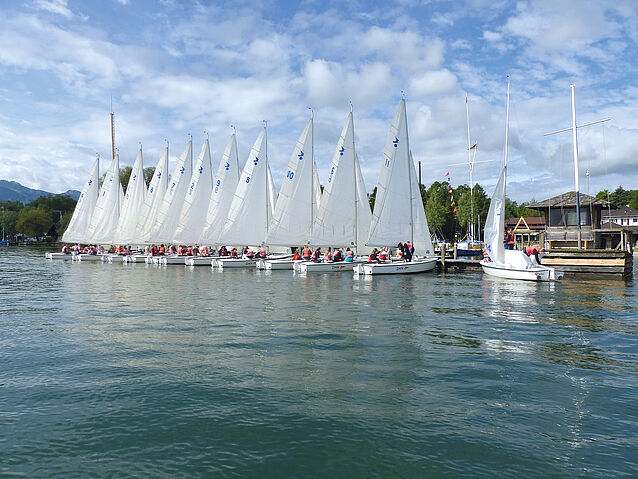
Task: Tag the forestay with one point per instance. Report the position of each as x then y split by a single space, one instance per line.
153 199
251 209
76 231
107 208
168 213
398 214
133 204
193 215
296 203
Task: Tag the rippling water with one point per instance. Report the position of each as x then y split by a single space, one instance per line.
139 370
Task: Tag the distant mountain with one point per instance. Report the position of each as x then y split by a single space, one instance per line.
14 191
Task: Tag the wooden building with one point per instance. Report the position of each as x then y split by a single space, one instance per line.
604 248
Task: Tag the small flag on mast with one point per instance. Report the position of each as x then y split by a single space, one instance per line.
473 147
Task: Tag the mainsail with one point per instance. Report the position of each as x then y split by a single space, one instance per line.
344 214
495 222
224 186
107 209
168 213
76 231
193 215
398 210
133 204
296 203
153 199
251 208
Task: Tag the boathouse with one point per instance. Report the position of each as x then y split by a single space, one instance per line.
603 249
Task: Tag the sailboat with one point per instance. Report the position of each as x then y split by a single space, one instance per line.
344 214
470 246
398 213
76 231
153 199
509 264
107 209
133 204
169 209
193 214
251 209
298 201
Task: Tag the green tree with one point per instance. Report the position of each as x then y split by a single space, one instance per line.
620 197
64 222
372 198
438 210
148 174
8 220
58 204
34 222
634 200
12 205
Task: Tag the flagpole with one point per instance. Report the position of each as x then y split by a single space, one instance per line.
469 162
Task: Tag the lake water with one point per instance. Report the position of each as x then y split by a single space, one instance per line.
110 370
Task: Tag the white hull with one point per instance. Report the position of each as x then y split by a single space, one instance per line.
181 260
397 267
199 261
338 267
235 263
536 273
58 256
279 264
136 258
88 257
115 258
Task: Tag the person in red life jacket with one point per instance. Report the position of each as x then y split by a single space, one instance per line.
316 256
510 240
383 254
327 258
407 254
233 253
76 248
374 256
307 253
189 251
533 251
65 250
195 251
204 251
338 255
296 256
154 250
172 249
180 250
410 249
100 249
262 253
250 254
162 250
223 251
349 256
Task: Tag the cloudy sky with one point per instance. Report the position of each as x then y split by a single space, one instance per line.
178 68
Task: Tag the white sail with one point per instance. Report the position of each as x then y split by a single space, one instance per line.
398 210
344 214
296 203
495 222
272 194
223 189
76 231
168 213
251 208
132 205
107 209
153 199
192 218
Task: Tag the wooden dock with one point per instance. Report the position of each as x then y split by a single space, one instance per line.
452 265
588 261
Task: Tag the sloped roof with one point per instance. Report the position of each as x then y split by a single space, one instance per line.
621 213
567 200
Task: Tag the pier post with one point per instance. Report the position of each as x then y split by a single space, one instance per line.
455 252
443 256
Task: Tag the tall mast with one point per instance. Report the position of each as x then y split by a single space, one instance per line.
574 129
576 178
112 131
471 165
507 129
266 178
312 168
356 184
410 166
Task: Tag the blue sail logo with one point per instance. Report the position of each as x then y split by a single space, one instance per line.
341 151
395 142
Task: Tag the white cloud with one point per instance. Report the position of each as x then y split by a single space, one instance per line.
58 7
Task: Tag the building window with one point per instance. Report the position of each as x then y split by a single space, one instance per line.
568 217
